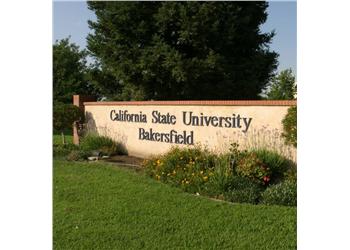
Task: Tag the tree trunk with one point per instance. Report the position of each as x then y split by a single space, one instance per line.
63 138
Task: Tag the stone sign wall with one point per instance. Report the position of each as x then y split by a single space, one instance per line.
152 127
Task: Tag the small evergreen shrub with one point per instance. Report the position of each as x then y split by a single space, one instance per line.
290 126
243 190
284 193
106 145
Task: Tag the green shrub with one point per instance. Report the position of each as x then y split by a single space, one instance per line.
291 174
290 126
78 155
277 164
64 115
243 190
63 149
188 168
250 166
106 145
284 193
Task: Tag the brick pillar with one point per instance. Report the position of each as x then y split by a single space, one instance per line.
78 100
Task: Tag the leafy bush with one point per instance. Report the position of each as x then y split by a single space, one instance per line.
243 190
277 164
188 168
284 193
290 126
63 149
252 167
64 115
78 155
291 174
106 145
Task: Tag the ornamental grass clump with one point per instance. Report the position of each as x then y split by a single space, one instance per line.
187 168
221 177
95 142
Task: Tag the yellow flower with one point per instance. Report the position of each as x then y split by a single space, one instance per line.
192 174
158 161
201 172
187 182
205 178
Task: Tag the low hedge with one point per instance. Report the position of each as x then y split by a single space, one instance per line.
243 190
284 193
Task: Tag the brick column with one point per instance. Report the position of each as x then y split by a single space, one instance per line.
78 100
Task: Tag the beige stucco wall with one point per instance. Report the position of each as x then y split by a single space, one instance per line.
264 130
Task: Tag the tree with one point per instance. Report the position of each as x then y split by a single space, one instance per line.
289 123
183 50
282 87
104 82
64 115
69 71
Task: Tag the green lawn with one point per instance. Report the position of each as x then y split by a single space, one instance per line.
57 138
100 206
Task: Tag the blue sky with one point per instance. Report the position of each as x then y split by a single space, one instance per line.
70 19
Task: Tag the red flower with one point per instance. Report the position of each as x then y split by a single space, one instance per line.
266 179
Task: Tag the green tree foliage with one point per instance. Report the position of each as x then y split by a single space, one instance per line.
69 71
104 82
290 126
64 115
282 87
182 50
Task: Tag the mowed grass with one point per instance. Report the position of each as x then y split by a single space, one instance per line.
101 206
57 139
